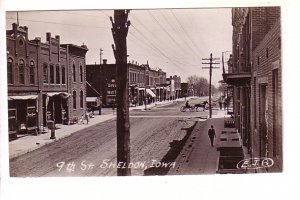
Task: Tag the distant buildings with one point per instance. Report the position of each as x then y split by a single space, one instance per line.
254 79
46 81
143 82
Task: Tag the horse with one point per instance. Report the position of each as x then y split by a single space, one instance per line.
201 105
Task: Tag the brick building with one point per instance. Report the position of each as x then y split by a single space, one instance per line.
39 87
254 78
143 81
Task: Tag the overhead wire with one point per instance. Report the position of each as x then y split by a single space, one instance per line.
188 36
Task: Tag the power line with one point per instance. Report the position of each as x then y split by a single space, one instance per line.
48 22
162 53
170 36
185 31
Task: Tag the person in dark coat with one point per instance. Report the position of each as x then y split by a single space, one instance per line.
212 135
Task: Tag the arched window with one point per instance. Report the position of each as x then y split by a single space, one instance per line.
45 71
31 72
21 72
74 99
81 74
57 75
81 99
51 74
74 73
10 71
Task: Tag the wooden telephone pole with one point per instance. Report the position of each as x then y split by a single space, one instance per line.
211 59
119 32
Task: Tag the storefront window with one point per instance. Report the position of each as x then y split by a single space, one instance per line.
10 71
31 72
74 99
57 75
21 72
81 99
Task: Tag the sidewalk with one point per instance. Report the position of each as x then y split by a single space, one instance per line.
197 156
29 143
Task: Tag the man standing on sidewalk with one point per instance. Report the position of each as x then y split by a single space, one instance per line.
212 135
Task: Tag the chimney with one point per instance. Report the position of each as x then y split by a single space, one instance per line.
48 36
104 61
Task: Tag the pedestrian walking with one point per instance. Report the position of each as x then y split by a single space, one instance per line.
212 135
86 117
220 103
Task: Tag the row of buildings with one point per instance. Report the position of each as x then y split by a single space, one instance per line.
146 85
49 82
254 81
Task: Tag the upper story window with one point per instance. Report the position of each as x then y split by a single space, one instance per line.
51 74
81 99
81 73
57 75
31 72
74 99
45 72
74 73
22 72
63 75
10 71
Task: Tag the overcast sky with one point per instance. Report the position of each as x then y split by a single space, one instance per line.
174 40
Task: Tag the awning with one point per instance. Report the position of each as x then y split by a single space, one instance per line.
92 99
150 93
25 97
62 94
141 88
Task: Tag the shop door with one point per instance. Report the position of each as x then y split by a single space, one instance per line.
263 115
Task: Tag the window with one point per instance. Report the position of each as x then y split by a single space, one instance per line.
21 72
81 74
267 52
10 71
63 75
257 60
74 99
74 73
31 72
57 75
81 99
51 74
45 68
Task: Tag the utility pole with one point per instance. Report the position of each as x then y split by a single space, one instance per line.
101 50
211 59
119 32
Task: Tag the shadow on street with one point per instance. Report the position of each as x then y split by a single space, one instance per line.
176 147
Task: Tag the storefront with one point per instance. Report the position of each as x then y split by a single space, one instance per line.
55 107
22 115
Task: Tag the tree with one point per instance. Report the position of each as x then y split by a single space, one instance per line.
200 85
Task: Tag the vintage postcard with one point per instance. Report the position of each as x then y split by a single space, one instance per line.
144 92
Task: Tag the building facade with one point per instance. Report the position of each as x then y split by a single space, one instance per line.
145 84
254 78
38 81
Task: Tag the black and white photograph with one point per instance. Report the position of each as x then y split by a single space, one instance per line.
144 92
